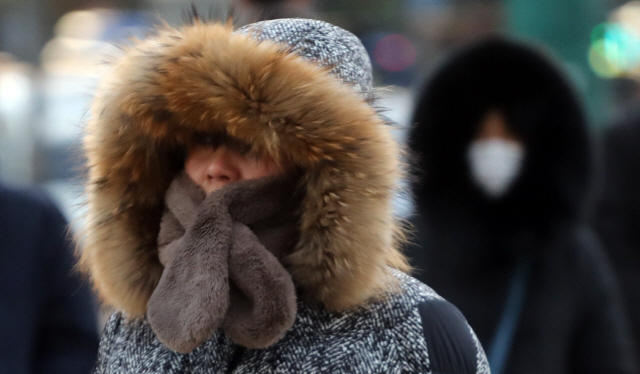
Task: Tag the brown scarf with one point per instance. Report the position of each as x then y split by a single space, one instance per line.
220 254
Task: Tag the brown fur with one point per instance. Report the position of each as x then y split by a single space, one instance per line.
204 78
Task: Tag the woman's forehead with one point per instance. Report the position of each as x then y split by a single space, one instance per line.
218 139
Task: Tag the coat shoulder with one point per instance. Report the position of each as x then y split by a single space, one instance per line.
405 332
453 345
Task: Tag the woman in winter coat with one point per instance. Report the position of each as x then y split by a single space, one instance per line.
503 143
240 212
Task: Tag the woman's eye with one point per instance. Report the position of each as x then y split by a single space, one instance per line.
206 140
245 150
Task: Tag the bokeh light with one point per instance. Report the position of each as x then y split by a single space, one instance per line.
615 45
394 53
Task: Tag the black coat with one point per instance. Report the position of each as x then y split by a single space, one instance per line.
468 245
617 217
47 319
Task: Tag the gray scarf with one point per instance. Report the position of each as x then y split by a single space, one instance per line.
222 270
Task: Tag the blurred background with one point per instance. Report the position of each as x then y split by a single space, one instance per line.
52 54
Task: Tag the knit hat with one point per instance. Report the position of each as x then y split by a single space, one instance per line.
323 44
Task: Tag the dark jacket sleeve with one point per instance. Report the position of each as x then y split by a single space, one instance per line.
67 336
603 342
452 344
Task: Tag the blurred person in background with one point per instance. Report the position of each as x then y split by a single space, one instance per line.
502 141
47 317
617 213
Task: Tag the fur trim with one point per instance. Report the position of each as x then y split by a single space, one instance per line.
205 78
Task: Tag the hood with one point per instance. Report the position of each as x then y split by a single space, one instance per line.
540 107
303 99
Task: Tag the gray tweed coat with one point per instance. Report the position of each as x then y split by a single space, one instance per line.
411 332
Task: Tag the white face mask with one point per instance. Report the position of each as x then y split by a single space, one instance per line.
495 164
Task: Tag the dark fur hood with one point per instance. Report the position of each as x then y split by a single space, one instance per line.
540 107
206 78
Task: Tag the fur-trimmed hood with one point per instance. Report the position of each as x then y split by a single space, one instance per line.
540 107
207 78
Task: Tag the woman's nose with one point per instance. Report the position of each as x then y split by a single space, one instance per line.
222 168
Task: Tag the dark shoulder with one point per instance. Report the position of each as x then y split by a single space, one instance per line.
31 223
453 346
27 206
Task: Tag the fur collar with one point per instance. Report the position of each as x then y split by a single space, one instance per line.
206 78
